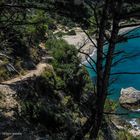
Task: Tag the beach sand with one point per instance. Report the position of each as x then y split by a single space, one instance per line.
127 29
81 39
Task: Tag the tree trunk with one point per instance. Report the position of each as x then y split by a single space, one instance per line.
94 122
100 42
102 84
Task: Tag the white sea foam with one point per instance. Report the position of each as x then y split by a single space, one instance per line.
138 110
134 123
91 55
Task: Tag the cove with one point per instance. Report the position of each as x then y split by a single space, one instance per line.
131 51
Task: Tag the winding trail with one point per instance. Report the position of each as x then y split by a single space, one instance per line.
39 69
9 106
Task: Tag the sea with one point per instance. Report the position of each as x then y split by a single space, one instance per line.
126 60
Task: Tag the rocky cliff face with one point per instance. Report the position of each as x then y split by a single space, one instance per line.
130 98
10 107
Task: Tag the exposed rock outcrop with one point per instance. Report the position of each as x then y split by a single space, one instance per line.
131 126
9 102
130 98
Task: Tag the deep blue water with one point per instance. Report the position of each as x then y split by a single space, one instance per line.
131 50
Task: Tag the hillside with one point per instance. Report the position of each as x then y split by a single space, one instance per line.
56 69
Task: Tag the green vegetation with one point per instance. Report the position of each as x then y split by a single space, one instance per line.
110 106
66 66
60 100
21 33
124 135
55 99
3 74
63 98
23 29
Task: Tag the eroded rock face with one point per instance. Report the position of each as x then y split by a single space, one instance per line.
130 98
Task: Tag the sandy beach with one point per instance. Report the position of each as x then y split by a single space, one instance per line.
80 38
81 41
127 29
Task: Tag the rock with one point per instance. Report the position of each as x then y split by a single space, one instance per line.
131 127
29 65
130 98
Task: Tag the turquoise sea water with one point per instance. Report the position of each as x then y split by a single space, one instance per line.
131 51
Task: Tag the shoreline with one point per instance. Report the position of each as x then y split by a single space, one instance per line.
122 31
127 29
80 38
135 132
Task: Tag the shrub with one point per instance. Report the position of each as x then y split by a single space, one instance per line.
72 32
110 105
60 34
124 135
3 73
46 83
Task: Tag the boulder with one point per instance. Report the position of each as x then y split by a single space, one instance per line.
130 98
29 65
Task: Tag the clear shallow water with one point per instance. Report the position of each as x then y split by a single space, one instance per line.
132 64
